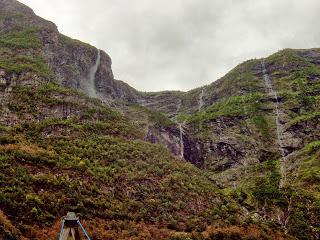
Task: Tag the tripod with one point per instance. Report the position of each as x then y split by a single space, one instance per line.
70 228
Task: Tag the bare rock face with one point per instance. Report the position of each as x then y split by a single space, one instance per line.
69 59
72 62
16 15
169 137
108 89
10 6
303 132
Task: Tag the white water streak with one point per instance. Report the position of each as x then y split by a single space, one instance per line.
181 130
181 140
274 95
200 102
178 106
91 89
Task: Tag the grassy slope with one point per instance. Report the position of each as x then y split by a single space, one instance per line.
95 164
68 152
256 186
92 163
63 151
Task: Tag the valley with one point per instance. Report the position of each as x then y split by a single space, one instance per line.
236 159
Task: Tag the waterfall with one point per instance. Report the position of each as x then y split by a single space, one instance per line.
200 102
181 140
91 88
181 130
178 106
273 93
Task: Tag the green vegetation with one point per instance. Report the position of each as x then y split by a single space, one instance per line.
240 80
63 151
65 40
309 171
308 72
21 63
288 57
94 163
245 105
182 117
313 146
263 127
304 220
304 118
111 178
24 39
159 119
267 186
19 53
81 114
260 185
295 74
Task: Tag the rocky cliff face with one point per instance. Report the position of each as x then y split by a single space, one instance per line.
253 136
257 121
70 60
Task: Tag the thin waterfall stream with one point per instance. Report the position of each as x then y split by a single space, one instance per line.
91 88
181 140
273 93
200 102
181 130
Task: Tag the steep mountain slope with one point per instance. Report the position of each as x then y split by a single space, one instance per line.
261 131
74 138
62 151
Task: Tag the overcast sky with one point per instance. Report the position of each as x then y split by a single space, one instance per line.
182 44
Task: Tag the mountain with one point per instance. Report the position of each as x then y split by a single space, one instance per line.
236 159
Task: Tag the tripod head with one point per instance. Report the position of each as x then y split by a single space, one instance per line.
70 228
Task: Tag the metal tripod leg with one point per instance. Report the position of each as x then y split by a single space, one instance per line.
70 234
70 228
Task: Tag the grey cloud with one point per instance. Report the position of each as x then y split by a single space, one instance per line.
182 44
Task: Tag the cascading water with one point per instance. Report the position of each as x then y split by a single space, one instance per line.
181 130
178 106
200 102
91 88
181 140
273 93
